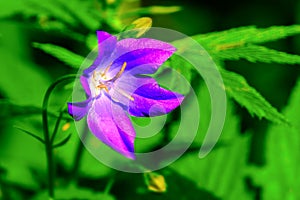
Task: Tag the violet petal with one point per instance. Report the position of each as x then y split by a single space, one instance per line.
142 96
79 109
109 123
143 56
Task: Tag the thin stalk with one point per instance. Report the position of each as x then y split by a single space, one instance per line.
78 155
47 137
56 126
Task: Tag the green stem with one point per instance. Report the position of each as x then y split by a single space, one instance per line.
78 155
109 186
47 137
56 126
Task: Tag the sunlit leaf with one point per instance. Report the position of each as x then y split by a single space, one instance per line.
137 28
66 56
222 171
152 10
279 177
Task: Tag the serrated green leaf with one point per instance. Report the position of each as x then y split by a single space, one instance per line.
238 88
66 56
279 177
254 53
250 34
176 74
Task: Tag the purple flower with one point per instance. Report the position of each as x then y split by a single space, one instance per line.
116 84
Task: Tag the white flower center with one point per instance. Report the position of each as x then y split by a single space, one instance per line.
101 82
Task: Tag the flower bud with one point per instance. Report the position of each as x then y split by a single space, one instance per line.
155 182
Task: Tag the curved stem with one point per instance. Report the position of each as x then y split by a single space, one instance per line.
47 137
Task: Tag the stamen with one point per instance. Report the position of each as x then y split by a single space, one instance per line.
106 70
102 86
122 92
120 72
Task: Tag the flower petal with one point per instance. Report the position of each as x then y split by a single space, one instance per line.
79 109
143 55
142 96
152 100
109 123
85 84
106 45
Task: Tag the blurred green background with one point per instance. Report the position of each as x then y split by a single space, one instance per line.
255 159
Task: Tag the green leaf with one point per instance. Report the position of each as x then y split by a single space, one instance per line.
279 178
81 11
152 10
89 165
31 134
176 185
238 88
33 8
73 192
62 142
254 53
22 81
250 34
137 28
228 182
176 74
66 56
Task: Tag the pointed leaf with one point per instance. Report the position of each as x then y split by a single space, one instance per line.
249 34
152 10
66 56
63 141
31 134
238 88
254 53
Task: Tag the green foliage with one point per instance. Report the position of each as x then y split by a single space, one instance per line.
221 172
220 175
73 192
31 134
179 187
68 57
238 88
279 177
254 53
245 35
238 43
152 10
